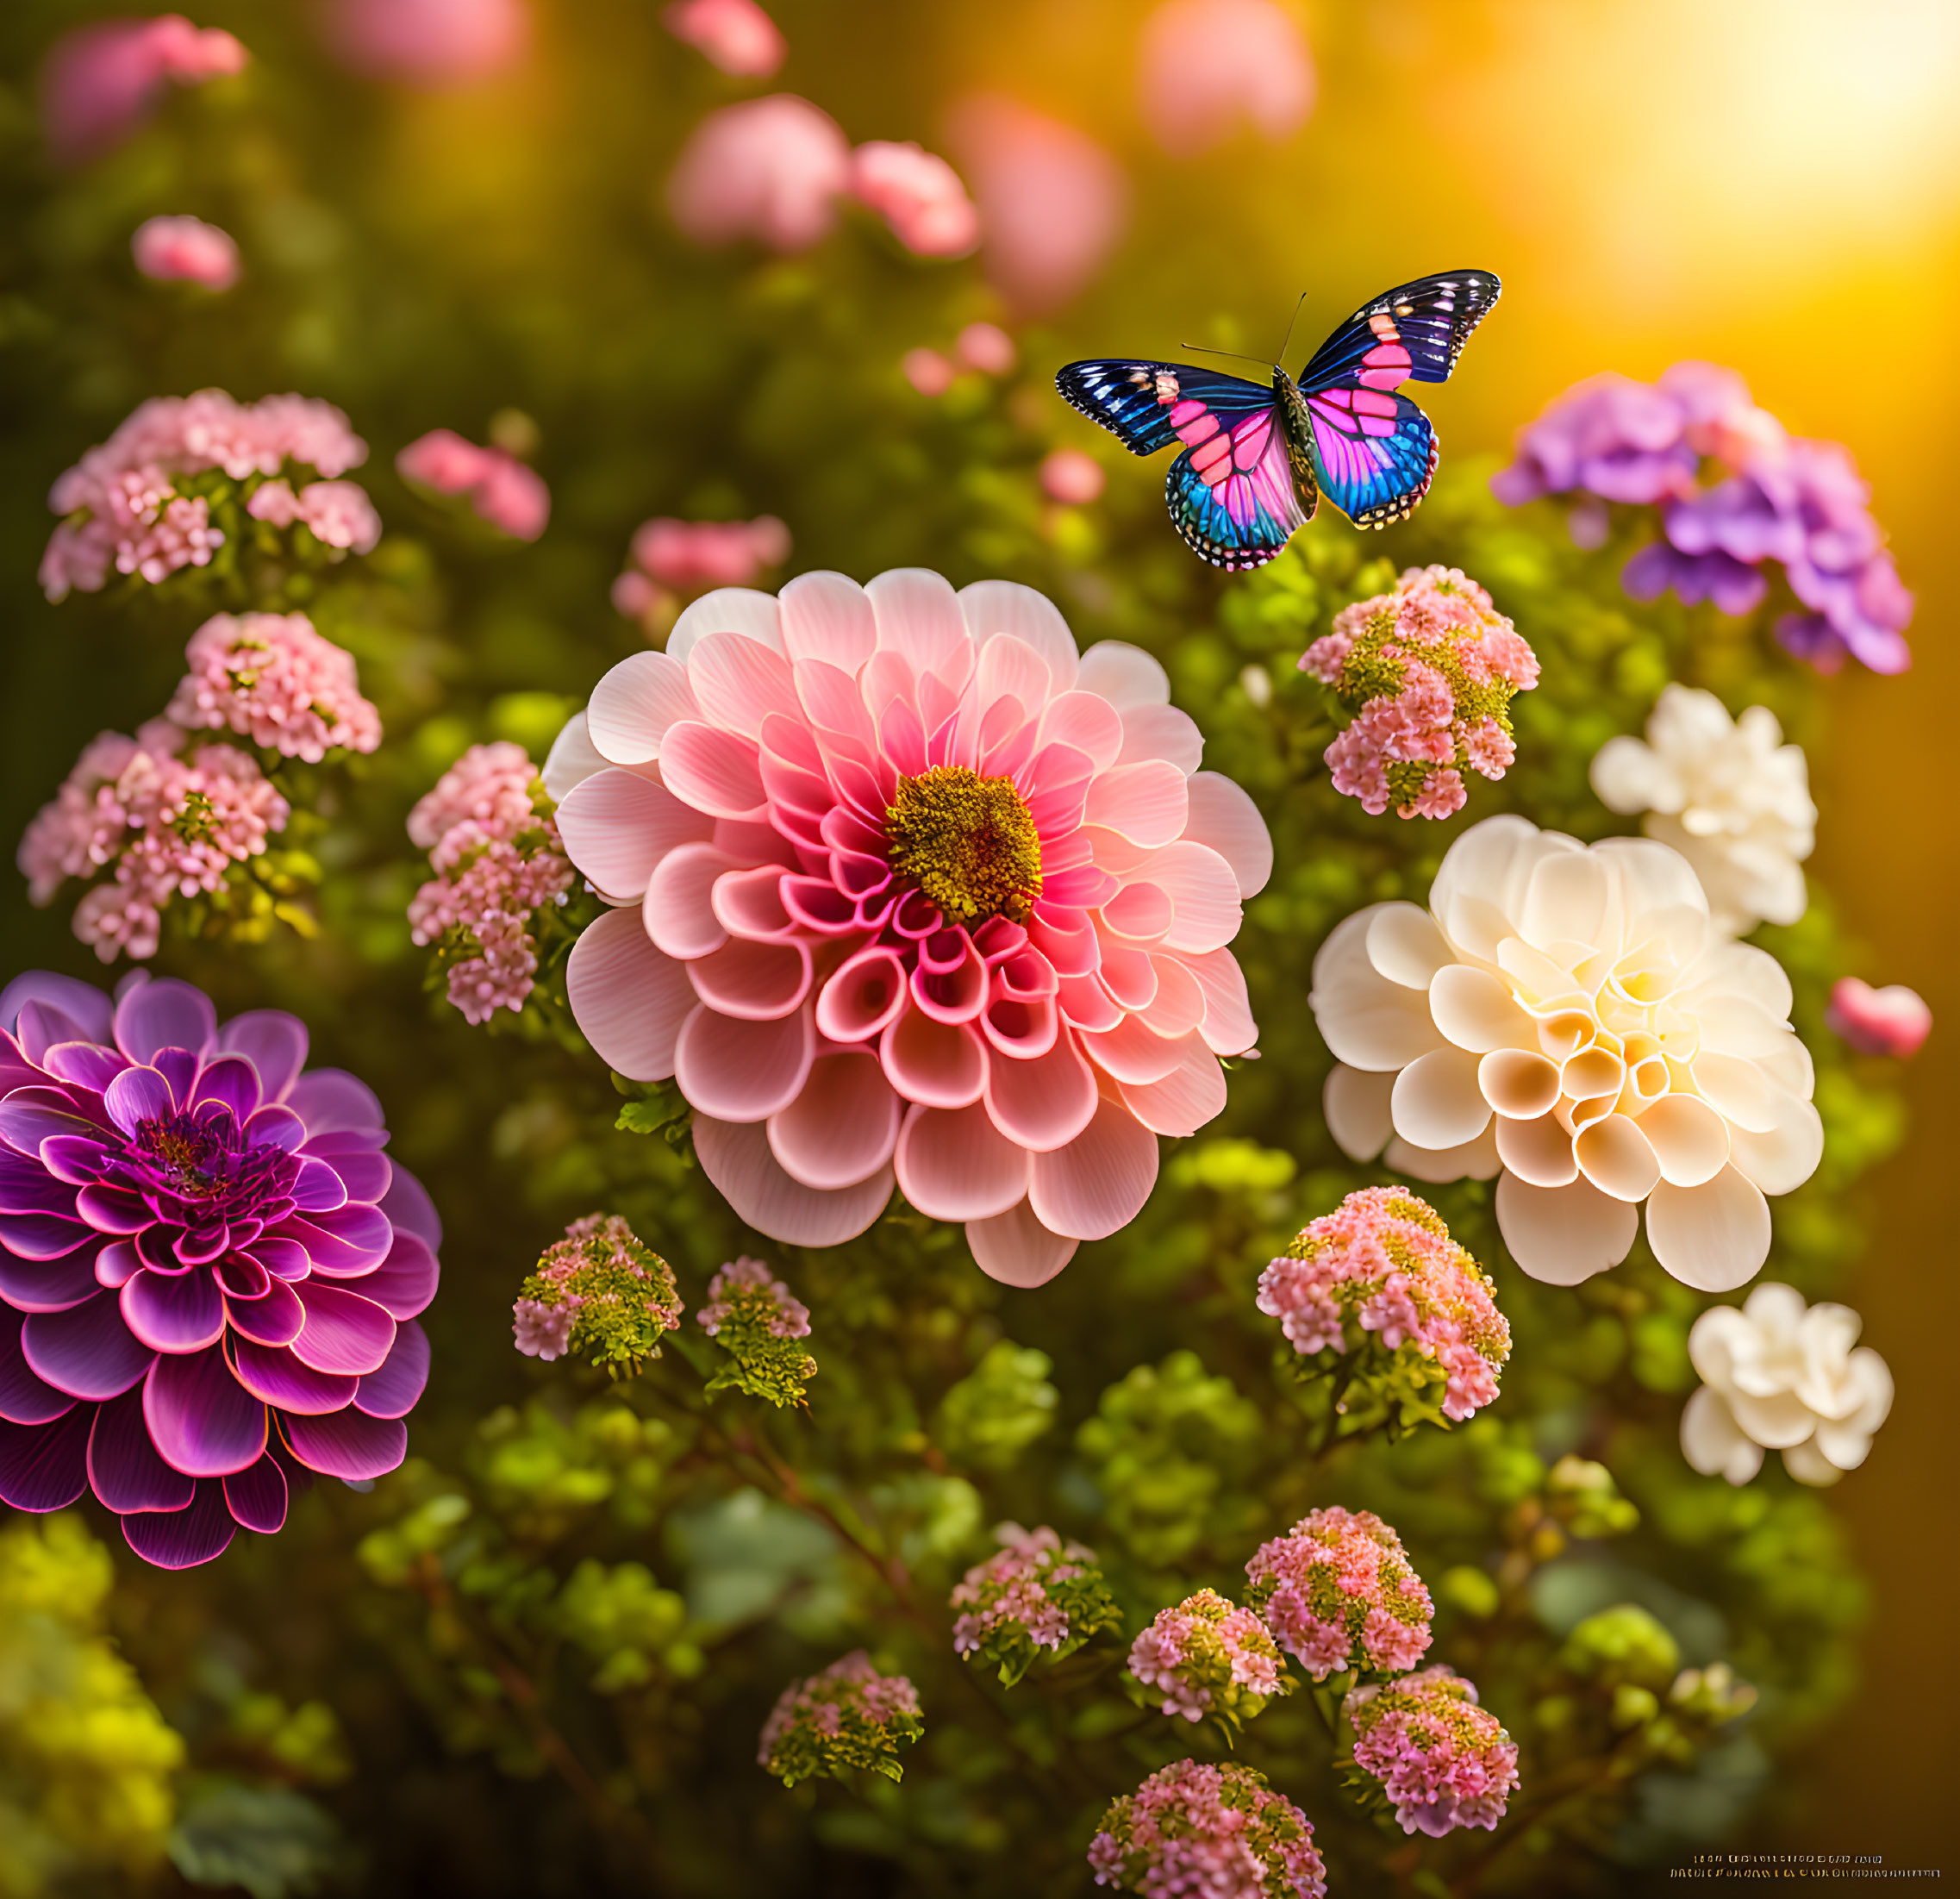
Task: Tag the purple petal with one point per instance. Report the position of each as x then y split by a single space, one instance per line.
275 1375
124 1469
83 1002
274 1042
282 1259
406 1281
28 1189
344 1244
85 1351
258 1496
349 1444
76 1158
113 1210
344 1333
330 1099
174 1311
233 1081
180 1539
117 1261
346 1141
241 1276
202 1245
408 1205
45 1466
42 1235
160 1013
29 1115
25 1398
156 1246
365 1178
320 1187
201 1418
48 1286
179 1067
396 1388
137 1095
276 1125
87 1065
43 1027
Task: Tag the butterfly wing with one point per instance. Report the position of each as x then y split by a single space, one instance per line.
1231 493
1375 452
1147 406
1412 333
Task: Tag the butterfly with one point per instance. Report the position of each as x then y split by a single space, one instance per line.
1257 460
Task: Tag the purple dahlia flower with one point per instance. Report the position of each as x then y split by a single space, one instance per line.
208 1269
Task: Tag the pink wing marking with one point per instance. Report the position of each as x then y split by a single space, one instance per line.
1213 459
1385 366
1340 437
1265 482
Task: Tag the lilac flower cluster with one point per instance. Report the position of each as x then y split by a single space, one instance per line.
1338 1592
1442 1761
1037 1595
495 848
845 1717
599 1291
1425 676
209 1271
1220 1832
1208 1657
140 503
271 677
1735 493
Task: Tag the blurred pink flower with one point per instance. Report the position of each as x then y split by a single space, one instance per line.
510 496
338 514
185 249
919 195
1053 203
691 555
101 82
927 372
1892 1021
736 36
986 347
1206 64
272 677
768 169
1071 477
430 43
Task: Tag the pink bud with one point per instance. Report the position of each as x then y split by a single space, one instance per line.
1070 476
769 169
185 249
736 36
986 347
1892 1022
918 195
101 82
927 372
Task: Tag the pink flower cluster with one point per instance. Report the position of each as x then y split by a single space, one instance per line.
790 1318
1442 1760
1735 492
1894 1021
1194 1831
271 677
1385 1259
511 497
1428 673
774 169
126 510
1009 1592
601 1275
845 1716
736 36
671 558
185 250
1338 1592
101 82
498 860
169 826
1206 1656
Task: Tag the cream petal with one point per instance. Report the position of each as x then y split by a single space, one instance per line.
1776 1421
1481 878
1436 1101
1712 1441
1791 1068
1614 1155
1405 946
1566 900
1517 1083
1016 1249
1538 1151
1367 1020
1228 1027
1628 776
1044 1103
1563 1235
1004 606
1874 1377
953 1164
842 1127
1843 1446
1690 1141
826 616
573 759
1124 675
1714 1341
1191 1094
628 1000
1735 1024
1475 1010
937 1065
1739 1091
617 826
1714 1237
736 1158
680 901
634 705
1355 1104
1099 1182
1787 1155
743 1071
1741 969
1163 733
1807 1463
1224 819
1146 803
1653 878
1472 1160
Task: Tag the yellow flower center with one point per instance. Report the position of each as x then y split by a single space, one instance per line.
968 842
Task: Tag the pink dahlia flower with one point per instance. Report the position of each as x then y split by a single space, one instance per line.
907 889
429 43
769 169
919 195
209 1271
187 250
271 677
1442 1760
1894 1021
1338 1592
736 36
1208 64
1208 1833
101 82
510 496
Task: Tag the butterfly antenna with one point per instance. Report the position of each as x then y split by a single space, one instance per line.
1297 308
1205 349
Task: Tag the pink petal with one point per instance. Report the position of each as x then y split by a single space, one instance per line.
1087 723
1179 1005
679 916
1022 1027
1100 1181
1045 1104
842 1129
1224 819
738 683
1016 1249
919 618
636 704
1141 911
201 1419
714 771
1002 606
743 1071
1228 1027
738 1160
1130 1053
1192 1094
344 1334
752 982
1203 892
348 1445
629 1001
1124 675
749 903
955 1165
1161 733
956 995
863 996
1087 1003
617 826
1011 668
828 617
727 610
1146 803
938 1065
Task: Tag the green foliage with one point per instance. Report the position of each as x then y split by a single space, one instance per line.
275 1843
999 1407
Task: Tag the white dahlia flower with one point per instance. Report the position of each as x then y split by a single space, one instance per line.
1571 1017
1779 1376
1728 794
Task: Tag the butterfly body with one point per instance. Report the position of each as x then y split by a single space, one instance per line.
1257 458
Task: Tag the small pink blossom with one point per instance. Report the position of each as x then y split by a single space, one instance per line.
986 347
771 170
338 514
1337 1592
272 677
1205 1656
1894 1021
1195 1831
511 497
736 36
1441 1759
543 1332
791 1317
1209 64
919 195
927 371
186 250
489 786
430 43
1072 477
101 82
688 555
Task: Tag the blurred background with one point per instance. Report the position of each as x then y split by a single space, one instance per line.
438 237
